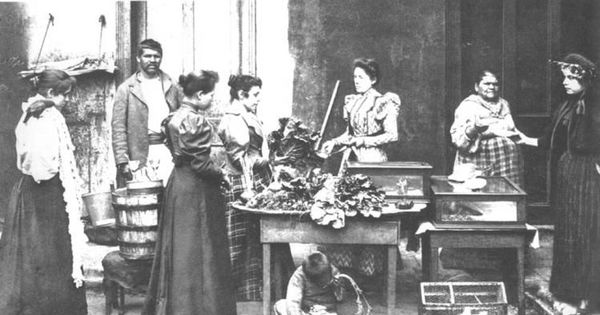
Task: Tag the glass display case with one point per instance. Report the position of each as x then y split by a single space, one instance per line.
399 179
485 202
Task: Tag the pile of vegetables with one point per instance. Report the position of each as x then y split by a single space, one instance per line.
293 144
346 196
289 191
357 194
328 198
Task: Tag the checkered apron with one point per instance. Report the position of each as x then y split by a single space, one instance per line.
243 233
498 154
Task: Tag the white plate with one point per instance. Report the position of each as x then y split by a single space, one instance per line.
475 183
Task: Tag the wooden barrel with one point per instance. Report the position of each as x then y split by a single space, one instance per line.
136 210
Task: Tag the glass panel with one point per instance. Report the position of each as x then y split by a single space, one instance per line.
532 56
396 186
482 211
493 185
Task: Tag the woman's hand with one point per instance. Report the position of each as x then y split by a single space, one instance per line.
348 141
524 139
260 162
224 183
328 146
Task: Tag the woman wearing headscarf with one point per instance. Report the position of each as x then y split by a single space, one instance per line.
574 144
42 242
191 273
243 137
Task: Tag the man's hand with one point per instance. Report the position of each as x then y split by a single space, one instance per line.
125 171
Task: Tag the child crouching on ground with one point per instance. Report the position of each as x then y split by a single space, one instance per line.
313 289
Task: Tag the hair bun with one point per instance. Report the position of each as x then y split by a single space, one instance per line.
182 79
232 80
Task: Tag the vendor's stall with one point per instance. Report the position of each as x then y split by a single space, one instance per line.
475 212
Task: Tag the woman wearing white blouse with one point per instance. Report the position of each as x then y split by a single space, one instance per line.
41 246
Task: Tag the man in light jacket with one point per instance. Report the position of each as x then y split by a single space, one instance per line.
141 103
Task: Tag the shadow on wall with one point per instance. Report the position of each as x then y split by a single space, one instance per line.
13 91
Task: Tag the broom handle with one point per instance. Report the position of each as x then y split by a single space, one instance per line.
329 107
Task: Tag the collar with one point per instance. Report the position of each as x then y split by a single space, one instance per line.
188 106
236 108
31 100
164 79
372 92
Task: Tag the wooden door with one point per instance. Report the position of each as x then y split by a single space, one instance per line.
515 38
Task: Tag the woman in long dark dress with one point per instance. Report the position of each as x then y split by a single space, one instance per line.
41 245
574 144
191 273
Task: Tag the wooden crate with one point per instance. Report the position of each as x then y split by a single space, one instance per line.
458 298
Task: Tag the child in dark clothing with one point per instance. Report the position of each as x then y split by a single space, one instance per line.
313 289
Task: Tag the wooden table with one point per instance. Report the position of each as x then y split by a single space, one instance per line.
290 229
436 238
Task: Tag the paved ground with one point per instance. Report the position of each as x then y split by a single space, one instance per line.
537 272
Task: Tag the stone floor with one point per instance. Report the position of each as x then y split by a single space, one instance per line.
537 275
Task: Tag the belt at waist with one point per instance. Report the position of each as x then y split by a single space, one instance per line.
156 138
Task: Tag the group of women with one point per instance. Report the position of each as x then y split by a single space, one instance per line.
208 256
485 134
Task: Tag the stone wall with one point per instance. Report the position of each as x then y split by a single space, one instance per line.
407 38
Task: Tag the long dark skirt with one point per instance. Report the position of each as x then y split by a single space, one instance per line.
191 272
576 258
35 253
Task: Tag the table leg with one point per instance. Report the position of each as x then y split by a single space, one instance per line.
277 271
121 308
521 279
266 279
391 279
429 259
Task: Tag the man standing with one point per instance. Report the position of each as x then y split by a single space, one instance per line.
141 104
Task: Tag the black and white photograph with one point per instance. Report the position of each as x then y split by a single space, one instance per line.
300 157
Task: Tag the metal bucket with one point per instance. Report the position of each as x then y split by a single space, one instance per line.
99 208
136 209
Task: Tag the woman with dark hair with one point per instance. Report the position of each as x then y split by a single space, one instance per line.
191 273
371 119
42 242
371 116
574 145
482 131
244 139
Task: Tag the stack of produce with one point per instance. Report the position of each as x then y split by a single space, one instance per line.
293 145
346 196
289 192
329 198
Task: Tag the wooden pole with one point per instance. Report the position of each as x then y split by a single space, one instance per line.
329 107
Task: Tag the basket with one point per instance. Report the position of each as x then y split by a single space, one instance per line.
455 298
